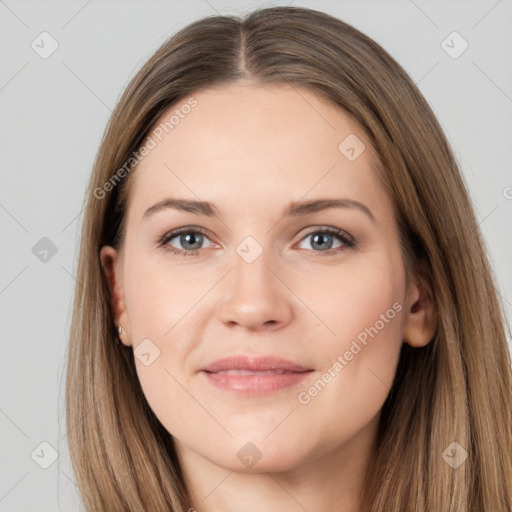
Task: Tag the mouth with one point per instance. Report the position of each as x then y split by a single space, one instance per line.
263 375
278 371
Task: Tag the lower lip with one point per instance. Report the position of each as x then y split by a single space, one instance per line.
254 384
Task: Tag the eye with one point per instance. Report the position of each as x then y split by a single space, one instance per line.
322 239
189 239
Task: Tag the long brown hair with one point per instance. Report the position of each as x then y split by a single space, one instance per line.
456 389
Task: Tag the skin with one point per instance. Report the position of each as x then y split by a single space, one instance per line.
293 301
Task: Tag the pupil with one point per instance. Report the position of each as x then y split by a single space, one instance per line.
188 238
323 237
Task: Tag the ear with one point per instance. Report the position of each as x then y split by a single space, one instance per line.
112 266
419 318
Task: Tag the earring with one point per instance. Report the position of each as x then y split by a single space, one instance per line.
119 332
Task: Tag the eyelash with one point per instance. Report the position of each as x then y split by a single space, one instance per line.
348 241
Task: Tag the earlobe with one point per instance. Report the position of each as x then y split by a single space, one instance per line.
111 266
420 322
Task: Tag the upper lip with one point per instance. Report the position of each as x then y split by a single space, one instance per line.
243 362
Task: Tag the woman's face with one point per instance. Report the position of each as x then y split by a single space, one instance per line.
272 275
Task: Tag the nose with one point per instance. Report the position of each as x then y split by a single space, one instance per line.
257 299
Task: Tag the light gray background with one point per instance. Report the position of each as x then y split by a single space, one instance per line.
54 111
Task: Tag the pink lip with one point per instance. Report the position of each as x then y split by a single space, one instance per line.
242 362
242 374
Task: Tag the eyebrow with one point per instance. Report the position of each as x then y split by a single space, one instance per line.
294 209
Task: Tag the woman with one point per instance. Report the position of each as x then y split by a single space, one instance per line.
280 238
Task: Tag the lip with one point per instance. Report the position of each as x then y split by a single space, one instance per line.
261 375
257 364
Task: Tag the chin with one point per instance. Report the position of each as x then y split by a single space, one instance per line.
268 463
251 454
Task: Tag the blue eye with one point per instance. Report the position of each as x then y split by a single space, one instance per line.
188 238
191 239
323 238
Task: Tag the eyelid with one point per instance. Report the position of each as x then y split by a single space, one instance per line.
330 230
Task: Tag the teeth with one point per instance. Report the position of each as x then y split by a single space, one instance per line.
251 372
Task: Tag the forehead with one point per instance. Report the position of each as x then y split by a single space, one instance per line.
248 146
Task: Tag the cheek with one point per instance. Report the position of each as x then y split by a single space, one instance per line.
358 304
370 323
371 316
158 297
360 358
160 303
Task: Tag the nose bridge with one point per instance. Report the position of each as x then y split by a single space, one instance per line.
255 296
251 263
